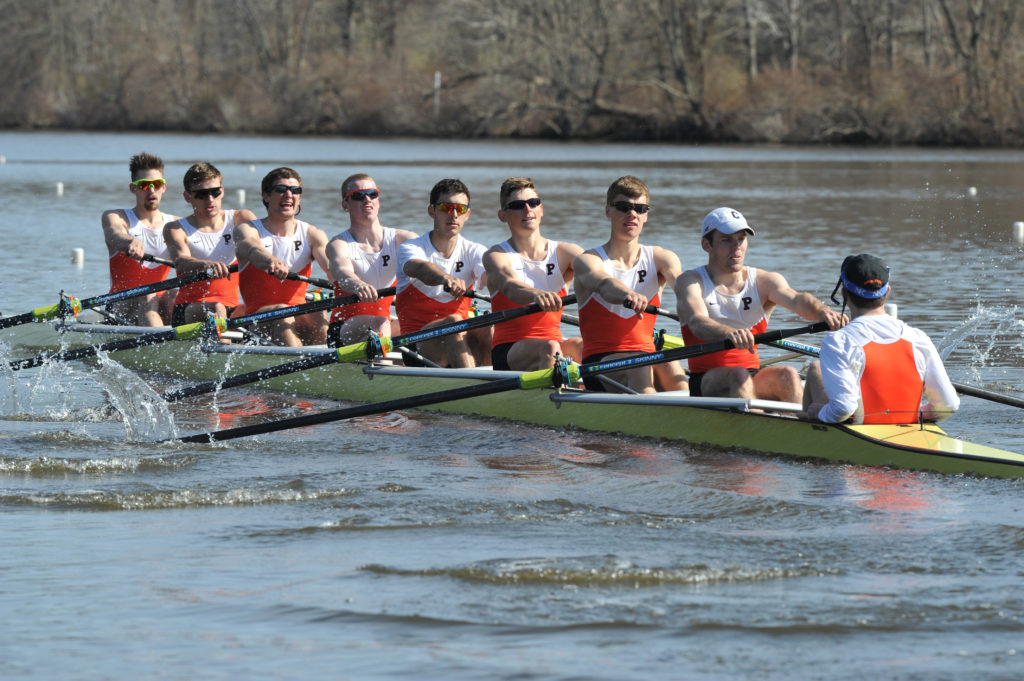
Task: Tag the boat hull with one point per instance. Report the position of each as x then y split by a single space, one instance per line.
722 423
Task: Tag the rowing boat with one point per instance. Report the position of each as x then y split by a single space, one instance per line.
738 424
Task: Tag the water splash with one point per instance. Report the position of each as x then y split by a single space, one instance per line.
8 384
145 414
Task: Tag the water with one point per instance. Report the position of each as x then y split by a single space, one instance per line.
414 545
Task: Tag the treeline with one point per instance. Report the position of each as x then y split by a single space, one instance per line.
791 71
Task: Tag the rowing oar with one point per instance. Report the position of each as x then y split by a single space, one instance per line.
191 331
970 390
294 276
565 374
73 305
358 351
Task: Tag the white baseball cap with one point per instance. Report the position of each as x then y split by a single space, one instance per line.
726 221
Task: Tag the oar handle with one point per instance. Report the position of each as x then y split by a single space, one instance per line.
159 261
654 309
315 281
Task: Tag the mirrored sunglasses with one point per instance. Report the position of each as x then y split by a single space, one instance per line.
520 204
626 206
362 195
150 183
458 208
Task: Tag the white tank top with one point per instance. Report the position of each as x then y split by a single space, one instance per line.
293 250
218 246
741 310
544 275
376 269
152 239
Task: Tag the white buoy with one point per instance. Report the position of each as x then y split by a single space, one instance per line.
77 256
3 160
1018 231
972 191
60 189
252 168
241 197
890 309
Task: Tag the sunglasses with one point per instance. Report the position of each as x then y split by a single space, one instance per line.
626 206
203 194
520 204
362 194
282 188
457 208
147 184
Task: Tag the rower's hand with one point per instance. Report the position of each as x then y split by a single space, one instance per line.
456 287
637 303
135 250
277 269
216 270
742 339
834 320
366 293
548 301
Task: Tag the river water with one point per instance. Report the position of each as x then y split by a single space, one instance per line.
417 545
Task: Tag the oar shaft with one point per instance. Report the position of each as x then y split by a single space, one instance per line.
477 390
302 308
266 373
145 289
178 333
356 351
51 311
693 350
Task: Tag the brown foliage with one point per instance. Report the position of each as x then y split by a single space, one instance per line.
807 71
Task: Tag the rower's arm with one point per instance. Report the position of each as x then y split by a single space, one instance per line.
590 277
774 288
117 237
432 275
341 271
501 278
181 254
694 314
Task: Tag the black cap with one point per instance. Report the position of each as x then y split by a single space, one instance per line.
865 275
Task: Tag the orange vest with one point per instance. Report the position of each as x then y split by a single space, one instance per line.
890 387
543 325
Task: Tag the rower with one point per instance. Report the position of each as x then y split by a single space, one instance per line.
876 369
528 268
726 299
130 234
270 248
203 242
435 271
361 260
615 282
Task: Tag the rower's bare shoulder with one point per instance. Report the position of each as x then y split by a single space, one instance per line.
243 215
403 235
